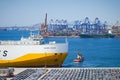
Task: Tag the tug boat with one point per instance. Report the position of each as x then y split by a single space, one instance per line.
79 58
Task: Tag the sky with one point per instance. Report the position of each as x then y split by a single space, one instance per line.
30 12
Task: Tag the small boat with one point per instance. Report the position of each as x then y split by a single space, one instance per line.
79 58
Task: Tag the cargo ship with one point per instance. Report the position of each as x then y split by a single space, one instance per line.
97 35
32 52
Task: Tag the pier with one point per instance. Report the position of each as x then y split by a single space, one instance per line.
67 74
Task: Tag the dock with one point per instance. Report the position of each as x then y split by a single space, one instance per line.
67 74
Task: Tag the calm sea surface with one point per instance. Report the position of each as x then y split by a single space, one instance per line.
97 52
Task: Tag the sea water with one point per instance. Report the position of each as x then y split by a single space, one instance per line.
97 52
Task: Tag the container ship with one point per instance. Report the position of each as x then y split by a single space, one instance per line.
97 35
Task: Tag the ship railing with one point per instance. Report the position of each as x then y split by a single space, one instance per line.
19 43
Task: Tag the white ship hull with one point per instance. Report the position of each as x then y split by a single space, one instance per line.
33 55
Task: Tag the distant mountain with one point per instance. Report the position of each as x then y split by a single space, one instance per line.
37 25
33 27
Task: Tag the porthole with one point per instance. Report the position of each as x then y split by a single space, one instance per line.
56 60
55 53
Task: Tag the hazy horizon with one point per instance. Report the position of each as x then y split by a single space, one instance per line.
30 12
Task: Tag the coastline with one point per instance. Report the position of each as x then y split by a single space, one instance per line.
76 37
63 36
